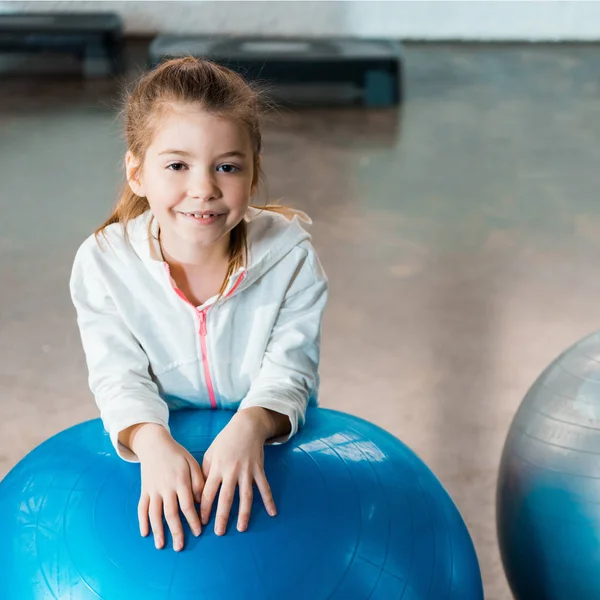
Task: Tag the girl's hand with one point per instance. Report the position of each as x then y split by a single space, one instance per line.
171 479
236 458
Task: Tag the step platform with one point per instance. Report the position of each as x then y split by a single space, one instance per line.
301 71
96 39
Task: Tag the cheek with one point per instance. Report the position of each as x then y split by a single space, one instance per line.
164 189
240 206
242 199
237 194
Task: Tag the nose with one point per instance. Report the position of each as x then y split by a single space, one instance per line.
203 186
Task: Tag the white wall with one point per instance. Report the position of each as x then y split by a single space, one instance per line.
540 20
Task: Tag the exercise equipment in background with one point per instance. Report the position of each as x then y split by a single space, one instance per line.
95 39
301 71
548 497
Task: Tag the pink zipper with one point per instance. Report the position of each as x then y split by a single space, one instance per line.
209 383
202 330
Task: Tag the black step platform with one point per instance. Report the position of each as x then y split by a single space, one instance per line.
301 71
95 38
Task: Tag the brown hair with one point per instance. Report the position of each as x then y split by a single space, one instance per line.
217 90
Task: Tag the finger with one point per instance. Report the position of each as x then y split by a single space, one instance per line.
197 480
211 487
156 514
206 466
173 520
188 508
224 506
245 504
143 506
265 492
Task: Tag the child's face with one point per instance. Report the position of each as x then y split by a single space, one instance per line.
196 163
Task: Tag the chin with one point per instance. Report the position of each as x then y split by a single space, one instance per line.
207 239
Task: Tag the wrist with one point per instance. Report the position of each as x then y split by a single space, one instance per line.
267 423
142 437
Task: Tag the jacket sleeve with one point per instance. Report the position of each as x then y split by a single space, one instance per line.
288 376
118 367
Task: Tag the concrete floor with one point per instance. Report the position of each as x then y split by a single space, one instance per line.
460 234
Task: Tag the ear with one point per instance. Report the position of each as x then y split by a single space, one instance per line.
133 171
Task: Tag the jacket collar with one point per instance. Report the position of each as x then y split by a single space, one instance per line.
270 237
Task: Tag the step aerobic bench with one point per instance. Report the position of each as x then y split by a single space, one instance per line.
95 38
301 71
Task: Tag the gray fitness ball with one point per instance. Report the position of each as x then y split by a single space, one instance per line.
548 497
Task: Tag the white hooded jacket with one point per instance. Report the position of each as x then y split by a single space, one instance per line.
149 350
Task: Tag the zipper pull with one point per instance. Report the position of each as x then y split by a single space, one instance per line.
202 315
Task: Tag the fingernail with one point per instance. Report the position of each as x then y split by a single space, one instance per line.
242 527
272 512
178 547
197 531
204 520
220 530
158 544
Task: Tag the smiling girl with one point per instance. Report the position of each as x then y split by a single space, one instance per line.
190 297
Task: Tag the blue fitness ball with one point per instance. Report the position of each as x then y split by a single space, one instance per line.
359 517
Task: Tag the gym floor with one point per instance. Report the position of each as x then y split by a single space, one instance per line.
460 236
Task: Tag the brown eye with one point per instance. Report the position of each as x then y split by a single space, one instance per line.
176 167
228 168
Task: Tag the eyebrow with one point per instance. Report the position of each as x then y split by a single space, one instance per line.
236 153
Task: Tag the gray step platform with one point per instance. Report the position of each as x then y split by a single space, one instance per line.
301 71
96 39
